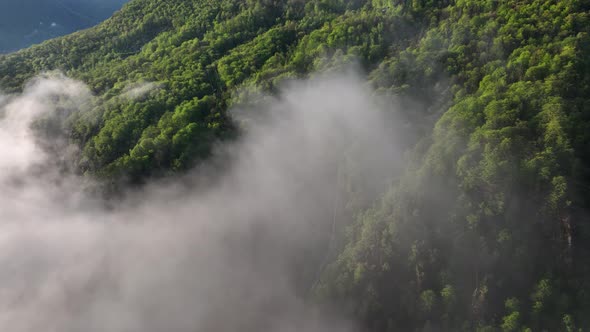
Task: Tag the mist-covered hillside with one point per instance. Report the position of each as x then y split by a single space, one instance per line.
27 22
382 165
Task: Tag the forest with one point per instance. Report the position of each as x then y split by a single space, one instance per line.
486 227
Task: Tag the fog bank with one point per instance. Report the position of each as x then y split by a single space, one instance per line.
234 255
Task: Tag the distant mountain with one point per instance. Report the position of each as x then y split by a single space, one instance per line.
27 22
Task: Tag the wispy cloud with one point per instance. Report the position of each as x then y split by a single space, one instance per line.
140 90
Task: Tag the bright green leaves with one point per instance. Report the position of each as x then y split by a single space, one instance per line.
245 60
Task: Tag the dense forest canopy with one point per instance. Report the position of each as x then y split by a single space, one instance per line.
487 228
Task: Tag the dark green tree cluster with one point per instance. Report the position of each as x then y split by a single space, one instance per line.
486 230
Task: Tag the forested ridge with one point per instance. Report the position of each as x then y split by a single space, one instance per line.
486 230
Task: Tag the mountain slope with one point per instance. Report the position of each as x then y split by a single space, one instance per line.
197 52
488 227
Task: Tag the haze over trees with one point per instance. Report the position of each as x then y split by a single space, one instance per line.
487 226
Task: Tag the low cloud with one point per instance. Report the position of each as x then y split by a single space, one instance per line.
140 90
237 254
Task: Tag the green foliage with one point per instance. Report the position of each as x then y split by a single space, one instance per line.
491 208
511 323
486 230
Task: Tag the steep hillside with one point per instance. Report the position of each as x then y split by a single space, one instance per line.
488 227
195 54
